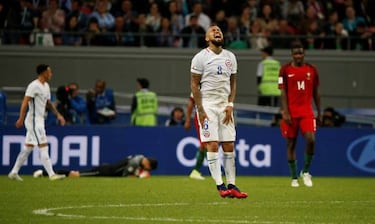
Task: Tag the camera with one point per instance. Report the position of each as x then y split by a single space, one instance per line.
63 93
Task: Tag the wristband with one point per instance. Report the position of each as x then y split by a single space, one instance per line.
230 104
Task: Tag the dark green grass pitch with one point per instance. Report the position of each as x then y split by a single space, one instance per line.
178 199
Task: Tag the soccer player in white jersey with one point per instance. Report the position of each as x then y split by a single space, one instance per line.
37 97
213 84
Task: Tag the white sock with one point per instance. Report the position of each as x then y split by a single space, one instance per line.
214 166
44 157
21 158
230 167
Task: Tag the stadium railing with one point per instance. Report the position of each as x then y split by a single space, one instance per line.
245 114
9 37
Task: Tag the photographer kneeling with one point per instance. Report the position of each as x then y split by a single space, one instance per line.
70 104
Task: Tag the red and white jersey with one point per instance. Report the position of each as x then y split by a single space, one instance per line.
299 84
39 93
216 70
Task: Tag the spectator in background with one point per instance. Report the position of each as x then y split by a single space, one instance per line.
318 7
4 8
146 36
341 37
266 14
78 12
42 36
117 33
71 36
126 10
313 35
193 34
177 117
236 36
253 5
332 118
281 35
175 17
351 20
221 20
165 36
93 35
197 10
361 38
130 23
105 19
153 18
20 21
312 27
267 79
182 7
245 19
54 20
329 29
294 12
101 105
144 106
258 39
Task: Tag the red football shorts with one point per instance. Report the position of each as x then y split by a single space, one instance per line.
302 124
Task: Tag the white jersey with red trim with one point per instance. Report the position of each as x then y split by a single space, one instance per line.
216 70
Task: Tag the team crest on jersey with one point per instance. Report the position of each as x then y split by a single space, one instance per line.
228 63
308 76
206 134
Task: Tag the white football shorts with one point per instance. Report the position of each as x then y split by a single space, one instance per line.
214 129
35 134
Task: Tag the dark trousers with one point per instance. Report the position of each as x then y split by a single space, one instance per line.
272 101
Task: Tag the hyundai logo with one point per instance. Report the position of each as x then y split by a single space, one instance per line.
361 153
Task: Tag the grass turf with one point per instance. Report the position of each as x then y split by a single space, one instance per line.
178 199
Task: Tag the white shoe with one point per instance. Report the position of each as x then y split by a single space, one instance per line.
14 176
57 177
38 173
294 183
196 175
307 179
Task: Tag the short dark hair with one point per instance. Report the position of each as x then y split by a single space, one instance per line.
143 82
41 68
177 109
153 163
268 50
296 45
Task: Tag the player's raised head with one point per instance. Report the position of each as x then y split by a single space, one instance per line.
215 36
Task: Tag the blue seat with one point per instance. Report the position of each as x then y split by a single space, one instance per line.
3 108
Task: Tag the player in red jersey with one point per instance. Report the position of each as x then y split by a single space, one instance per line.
299 82
201 153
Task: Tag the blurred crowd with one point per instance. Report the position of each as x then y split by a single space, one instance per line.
318 24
